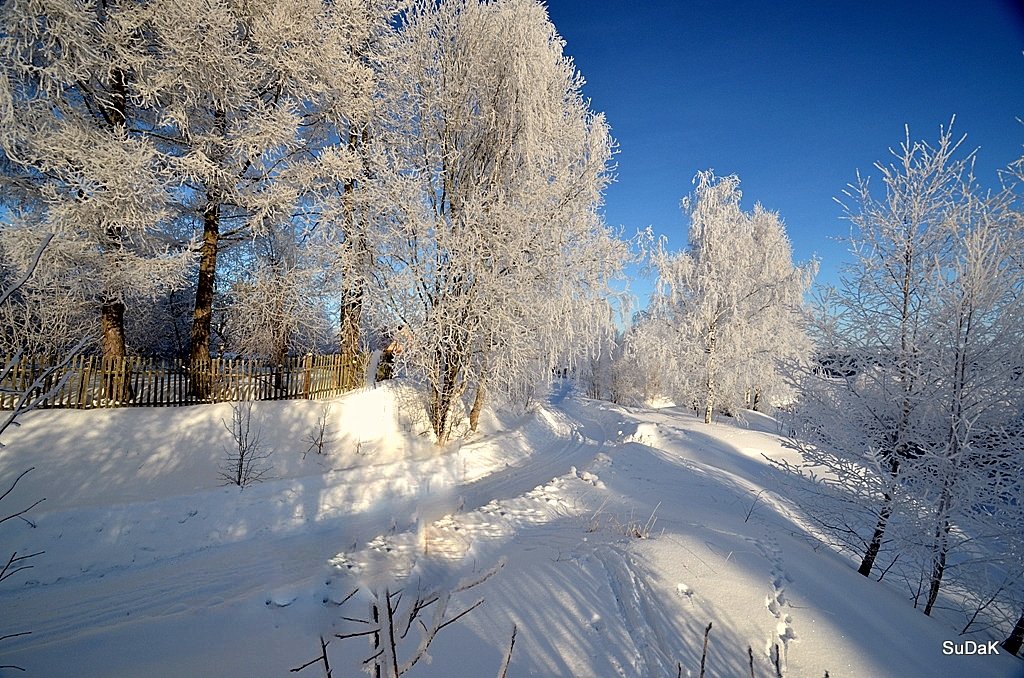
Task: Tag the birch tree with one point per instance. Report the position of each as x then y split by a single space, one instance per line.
733 299
877 321
494 165
912 424
975 360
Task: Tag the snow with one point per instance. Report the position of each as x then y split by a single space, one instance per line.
624 532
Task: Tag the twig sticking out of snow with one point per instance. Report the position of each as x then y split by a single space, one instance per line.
503 672
704 654
317 438
322 659
750 511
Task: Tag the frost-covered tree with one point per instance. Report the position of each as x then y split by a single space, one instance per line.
868 407
733 300
975 355
247 111
74 165
493 166
161 328
279 303
634 371
913 417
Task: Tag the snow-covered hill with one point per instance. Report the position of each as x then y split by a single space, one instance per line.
624 533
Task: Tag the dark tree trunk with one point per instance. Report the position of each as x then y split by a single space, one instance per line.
940 549
440 409
114 110
116 383
202 316
444 396
352 287
1016 639
938 569
112 342
280 358
875 545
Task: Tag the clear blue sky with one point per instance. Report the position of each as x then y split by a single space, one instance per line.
794 97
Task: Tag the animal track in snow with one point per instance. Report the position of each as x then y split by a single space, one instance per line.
776 601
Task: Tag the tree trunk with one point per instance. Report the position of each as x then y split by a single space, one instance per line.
351 314
114 110
709 400
202 316
940 548
478 405
116 385
875 544
112 342
444 395
883 522
1016 639
938 569
279 358
958 433
352 287
439 406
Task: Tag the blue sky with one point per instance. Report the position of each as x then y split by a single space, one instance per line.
794 97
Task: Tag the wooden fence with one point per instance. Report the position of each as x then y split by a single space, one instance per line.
90 381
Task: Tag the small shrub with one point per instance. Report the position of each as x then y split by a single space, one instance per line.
247 462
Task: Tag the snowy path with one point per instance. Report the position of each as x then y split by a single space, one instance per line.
638 612
257 566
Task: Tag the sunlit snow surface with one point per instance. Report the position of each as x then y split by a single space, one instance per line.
625 532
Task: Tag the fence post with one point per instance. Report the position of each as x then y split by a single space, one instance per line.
307 373
83 381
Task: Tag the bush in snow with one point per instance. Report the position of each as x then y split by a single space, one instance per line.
393 614
247 461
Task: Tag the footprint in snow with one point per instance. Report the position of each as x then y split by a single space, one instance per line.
281 599
784 629
776 600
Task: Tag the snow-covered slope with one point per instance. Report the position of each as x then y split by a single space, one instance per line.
624 532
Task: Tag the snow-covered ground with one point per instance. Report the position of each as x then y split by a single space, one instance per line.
624 533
